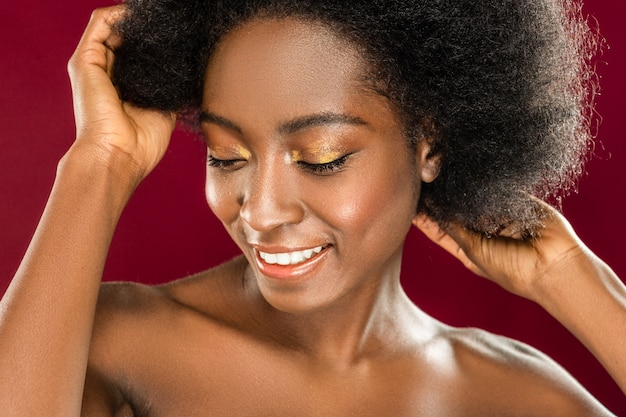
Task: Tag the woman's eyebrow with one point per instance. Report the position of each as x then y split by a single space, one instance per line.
291 126
208 117
321 119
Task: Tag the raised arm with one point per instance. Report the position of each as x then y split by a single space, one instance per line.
558 272
46 315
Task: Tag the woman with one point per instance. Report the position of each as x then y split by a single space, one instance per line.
315 169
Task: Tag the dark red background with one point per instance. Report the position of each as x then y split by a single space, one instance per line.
168 232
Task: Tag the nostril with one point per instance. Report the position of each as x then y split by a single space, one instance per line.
267 211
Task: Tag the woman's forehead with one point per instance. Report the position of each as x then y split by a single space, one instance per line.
286 47
285 63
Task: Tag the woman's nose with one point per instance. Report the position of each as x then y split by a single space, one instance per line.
271 199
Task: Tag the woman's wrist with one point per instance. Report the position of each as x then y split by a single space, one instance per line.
572 270
93 169
578 291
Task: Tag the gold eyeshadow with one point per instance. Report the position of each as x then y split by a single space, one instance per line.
296 156
318 154
236 151
245 154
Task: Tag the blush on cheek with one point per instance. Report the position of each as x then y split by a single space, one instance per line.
362 206
348 212
390 198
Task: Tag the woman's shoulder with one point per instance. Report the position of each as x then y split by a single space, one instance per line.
131 316
130 308
496 372
198 292
140 330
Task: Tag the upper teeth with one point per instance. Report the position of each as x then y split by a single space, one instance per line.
289 258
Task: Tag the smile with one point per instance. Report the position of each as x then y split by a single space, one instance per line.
290 258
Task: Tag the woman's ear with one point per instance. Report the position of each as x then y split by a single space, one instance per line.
428 161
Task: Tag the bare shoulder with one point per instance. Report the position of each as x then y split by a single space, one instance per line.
132 301
499 373
139 329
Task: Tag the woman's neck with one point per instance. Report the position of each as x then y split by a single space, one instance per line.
375 318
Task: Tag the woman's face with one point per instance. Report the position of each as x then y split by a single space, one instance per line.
308 169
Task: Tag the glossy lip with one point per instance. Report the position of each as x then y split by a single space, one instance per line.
288 272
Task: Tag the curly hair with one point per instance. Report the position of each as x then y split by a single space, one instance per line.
502 89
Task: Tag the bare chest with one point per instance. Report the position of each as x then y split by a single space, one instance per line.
237 382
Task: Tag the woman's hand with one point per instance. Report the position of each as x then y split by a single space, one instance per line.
517 265
107 128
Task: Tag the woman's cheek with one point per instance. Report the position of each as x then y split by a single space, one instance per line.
344 205
221 195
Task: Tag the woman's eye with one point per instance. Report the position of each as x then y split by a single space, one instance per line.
325 168
226 164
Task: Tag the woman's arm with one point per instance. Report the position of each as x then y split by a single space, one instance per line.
558 272
586 296
46 315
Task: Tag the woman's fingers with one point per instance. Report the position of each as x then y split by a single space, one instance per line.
446 241
514 263
89 68
104 123
101 23
500 259
98 40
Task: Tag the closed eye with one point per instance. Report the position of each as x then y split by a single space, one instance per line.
325 168
226 164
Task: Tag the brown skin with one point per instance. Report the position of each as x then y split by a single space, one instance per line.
337 338
340 338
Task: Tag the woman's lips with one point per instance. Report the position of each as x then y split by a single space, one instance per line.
289 264
290 258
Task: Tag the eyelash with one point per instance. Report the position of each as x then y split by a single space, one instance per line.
325 168
221 163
